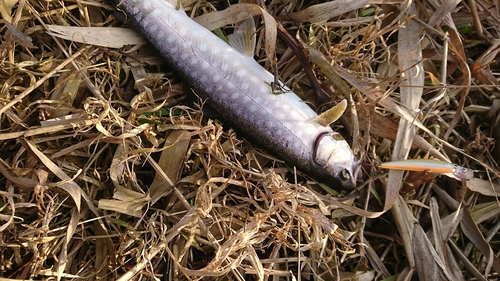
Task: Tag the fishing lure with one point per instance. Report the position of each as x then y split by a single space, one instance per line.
431 166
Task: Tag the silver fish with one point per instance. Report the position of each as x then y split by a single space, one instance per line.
240 89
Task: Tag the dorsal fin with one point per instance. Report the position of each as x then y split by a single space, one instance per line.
171 3
331 115
176 4
243 39
180 8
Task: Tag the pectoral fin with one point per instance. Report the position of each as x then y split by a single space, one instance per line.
243 39
331 115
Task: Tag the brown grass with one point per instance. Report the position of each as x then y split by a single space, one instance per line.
110 170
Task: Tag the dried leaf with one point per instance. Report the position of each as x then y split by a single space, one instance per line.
19 37
171 161
324 11
68 184
63 256
127 202
484 187
111 37
6 9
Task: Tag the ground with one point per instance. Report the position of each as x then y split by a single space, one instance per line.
112 168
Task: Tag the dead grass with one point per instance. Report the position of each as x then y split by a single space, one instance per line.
112 171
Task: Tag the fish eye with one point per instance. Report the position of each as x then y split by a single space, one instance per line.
344 175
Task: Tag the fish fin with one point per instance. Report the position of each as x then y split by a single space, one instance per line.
180 8
176 4
171 3
244 39
331 115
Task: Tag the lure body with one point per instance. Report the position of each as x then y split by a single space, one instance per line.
239 88
430 166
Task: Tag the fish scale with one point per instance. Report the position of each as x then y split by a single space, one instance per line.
238 88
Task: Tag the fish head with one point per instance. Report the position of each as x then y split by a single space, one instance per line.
335 160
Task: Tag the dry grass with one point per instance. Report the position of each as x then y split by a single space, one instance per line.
110 170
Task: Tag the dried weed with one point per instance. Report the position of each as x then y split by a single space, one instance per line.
112 171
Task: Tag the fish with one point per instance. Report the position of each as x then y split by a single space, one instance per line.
431 166
241 91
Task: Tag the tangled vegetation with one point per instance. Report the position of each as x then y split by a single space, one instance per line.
112 169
